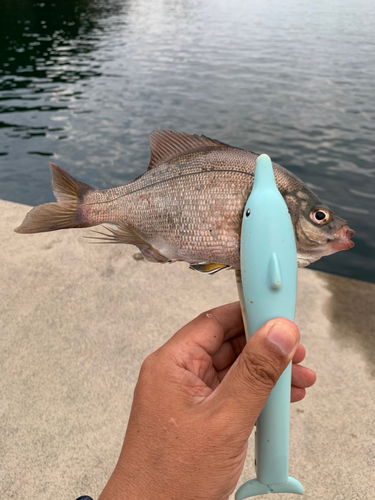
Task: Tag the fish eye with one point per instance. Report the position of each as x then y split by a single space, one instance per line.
319 216
248 211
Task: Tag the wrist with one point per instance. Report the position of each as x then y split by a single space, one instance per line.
127 483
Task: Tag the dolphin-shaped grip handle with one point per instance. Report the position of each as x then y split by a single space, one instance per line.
267 285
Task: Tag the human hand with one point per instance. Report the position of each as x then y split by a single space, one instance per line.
195 405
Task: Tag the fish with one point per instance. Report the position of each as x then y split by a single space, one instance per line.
188 206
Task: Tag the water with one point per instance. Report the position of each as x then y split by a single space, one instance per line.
82 83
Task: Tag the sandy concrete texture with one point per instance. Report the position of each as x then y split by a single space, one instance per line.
76 322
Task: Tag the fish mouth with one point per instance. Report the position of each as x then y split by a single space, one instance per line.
342 239
303 261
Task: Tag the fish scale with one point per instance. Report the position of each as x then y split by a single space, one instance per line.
188 205
195 234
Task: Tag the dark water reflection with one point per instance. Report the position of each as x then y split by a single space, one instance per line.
83 83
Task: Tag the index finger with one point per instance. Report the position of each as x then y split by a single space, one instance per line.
211 328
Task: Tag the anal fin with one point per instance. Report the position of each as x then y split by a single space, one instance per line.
208 267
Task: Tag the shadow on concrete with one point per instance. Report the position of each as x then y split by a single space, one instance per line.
351 310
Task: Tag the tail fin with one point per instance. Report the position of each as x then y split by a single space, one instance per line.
65 213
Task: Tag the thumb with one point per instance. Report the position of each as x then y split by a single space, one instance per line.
247 385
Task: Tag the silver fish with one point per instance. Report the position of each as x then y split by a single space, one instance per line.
188 206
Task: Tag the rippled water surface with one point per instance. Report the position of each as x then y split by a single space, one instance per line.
82 83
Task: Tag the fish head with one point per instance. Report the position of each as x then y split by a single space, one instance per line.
318 230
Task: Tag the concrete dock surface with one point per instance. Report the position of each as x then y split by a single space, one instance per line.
76 322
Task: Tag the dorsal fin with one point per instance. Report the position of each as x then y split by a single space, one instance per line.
167 143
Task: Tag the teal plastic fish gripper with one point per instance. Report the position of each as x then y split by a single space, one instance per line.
267 286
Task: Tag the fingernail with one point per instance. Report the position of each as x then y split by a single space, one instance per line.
283 336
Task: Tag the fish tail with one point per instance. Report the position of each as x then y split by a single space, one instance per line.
63 214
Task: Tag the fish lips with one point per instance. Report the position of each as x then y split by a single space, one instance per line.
342 239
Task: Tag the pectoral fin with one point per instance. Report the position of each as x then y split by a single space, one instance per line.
126 234
208 267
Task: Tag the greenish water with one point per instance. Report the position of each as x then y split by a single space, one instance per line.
82 83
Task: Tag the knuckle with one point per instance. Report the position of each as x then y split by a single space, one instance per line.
148 368
148 363
211 317
206 315
202 316
147 379
259 370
